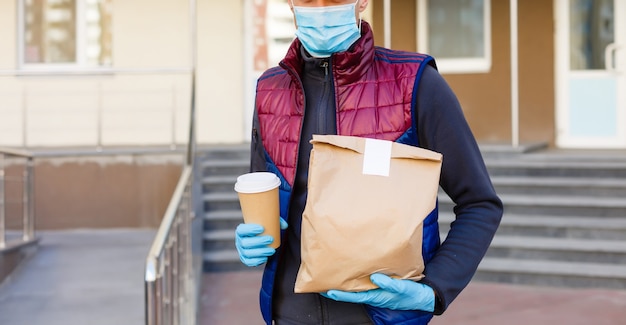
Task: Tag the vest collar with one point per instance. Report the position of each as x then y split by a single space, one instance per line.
347 67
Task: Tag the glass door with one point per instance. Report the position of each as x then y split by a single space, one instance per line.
591 64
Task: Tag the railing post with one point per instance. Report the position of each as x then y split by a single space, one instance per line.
185 251
28 200
2 205
173 112
169 265
99 114
151 298
25 117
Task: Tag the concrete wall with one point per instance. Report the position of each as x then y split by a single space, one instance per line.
104 191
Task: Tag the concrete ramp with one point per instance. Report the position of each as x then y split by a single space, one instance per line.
79 277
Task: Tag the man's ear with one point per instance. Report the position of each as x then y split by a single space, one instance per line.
362 5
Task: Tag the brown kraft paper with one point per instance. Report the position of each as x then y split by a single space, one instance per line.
357 220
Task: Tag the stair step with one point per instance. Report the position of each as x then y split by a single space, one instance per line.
559 249
225 166
222 219
228 151
218 240
221 234
552 221
230 255
221 201
224 260
529 167
599 246
549 200
219 215
552 273
557 205
553 226
218 183
612 187
560 181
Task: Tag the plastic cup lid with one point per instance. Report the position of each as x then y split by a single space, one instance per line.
256 182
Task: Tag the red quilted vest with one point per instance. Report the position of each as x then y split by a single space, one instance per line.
374 93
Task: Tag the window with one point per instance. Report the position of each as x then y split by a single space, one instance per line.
457 33
65 34
592 26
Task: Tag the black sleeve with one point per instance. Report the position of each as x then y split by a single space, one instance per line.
442 127
257 152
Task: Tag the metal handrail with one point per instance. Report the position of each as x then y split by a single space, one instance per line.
28 207
172 274
171 290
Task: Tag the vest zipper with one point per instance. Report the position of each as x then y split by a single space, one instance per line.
324 65
322 118
321 111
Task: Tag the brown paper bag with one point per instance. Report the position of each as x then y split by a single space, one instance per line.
367 200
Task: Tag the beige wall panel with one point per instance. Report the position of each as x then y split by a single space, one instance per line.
148 34
11 126
61 112
94 192
140 109
536 53
140 115
220 72
134 110
8 35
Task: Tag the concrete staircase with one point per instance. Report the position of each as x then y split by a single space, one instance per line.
564 221
219 168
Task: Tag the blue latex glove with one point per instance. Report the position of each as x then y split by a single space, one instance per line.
392 293
252 248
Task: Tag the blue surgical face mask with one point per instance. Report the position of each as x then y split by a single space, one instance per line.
327 30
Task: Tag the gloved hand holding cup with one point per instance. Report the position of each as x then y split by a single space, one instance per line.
258 197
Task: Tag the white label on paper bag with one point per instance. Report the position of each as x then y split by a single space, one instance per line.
377 157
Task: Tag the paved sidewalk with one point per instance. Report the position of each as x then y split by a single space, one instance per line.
80 277
232 298
95 277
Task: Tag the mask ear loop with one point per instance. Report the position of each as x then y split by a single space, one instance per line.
360 19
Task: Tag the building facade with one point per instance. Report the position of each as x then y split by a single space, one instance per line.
102 73
96 75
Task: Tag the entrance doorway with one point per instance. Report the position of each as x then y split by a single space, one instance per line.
591 73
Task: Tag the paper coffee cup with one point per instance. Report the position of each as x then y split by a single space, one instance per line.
258 197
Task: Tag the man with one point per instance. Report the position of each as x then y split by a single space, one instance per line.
334 81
